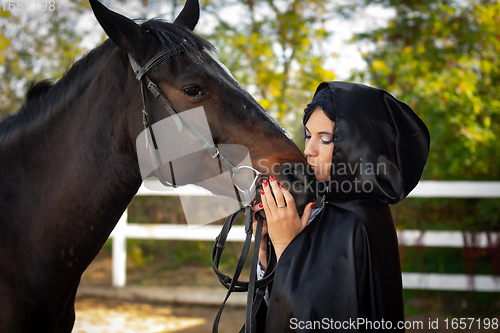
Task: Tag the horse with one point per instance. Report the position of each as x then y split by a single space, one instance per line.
69 164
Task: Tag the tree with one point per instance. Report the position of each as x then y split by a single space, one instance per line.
441 57
275 52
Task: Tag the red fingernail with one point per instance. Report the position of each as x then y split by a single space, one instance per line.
281 186
261 205
312 205
254 199
262 192
264 183
271 178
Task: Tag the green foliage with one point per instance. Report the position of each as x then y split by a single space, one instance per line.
444 260
450 304
447 214
441 57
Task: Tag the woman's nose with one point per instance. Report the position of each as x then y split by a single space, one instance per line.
309 150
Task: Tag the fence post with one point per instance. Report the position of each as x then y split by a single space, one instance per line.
119 252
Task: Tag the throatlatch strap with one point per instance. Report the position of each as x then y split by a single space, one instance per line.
237 272
256 289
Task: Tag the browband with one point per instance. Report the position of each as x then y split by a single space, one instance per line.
153 62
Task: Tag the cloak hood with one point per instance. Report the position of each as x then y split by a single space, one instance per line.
380 144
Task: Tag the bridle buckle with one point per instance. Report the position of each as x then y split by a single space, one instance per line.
216 154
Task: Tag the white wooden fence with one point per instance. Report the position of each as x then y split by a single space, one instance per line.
432 189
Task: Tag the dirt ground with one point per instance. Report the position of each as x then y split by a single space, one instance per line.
111 316
99 315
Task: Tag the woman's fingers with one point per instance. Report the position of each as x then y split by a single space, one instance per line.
266 203
256 208
284 224
307 213
278 195
290 201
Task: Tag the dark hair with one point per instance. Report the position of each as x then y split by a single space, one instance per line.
325 99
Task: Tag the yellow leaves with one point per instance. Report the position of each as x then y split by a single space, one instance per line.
476 134
487 122
4 43
241 40
379 64
266 104
448 71
275 92
321 33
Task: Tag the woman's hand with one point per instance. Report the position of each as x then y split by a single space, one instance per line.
283 221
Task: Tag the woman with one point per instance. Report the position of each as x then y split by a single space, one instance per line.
340 268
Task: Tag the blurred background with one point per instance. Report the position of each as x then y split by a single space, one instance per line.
440 57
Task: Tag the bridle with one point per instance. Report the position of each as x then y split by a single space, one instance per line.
142 76
253 287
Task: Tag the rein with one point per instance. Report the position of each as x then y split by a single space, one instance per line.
253 287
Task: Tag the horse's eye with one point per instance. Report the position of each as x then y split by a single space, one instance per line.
191 91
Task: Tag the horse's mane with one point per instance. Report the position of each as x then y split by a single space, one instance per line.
46 95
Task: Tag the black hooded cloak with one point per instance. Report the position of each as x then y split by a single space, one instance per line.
343 270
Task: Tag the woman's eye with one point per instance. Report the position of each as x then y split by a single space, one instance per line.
326 140
308 137
191 91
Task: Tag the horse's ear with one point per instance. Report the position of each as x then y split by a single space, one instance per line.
124 32
189 15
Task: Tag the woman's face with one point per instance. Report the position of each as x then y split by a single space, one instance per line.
319 144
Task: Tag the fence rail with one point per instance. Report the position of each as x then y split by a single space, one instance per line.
429 189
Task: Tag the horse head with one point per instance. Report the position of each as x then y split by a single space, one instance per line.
191 77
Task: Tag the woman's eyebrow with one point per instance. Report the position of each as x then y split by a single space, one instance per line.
322 132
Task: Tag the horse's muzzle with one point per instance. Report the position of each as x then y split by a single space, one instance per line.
299 180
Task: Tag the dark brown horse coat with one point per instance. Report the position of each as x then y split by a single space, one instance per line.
68 158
